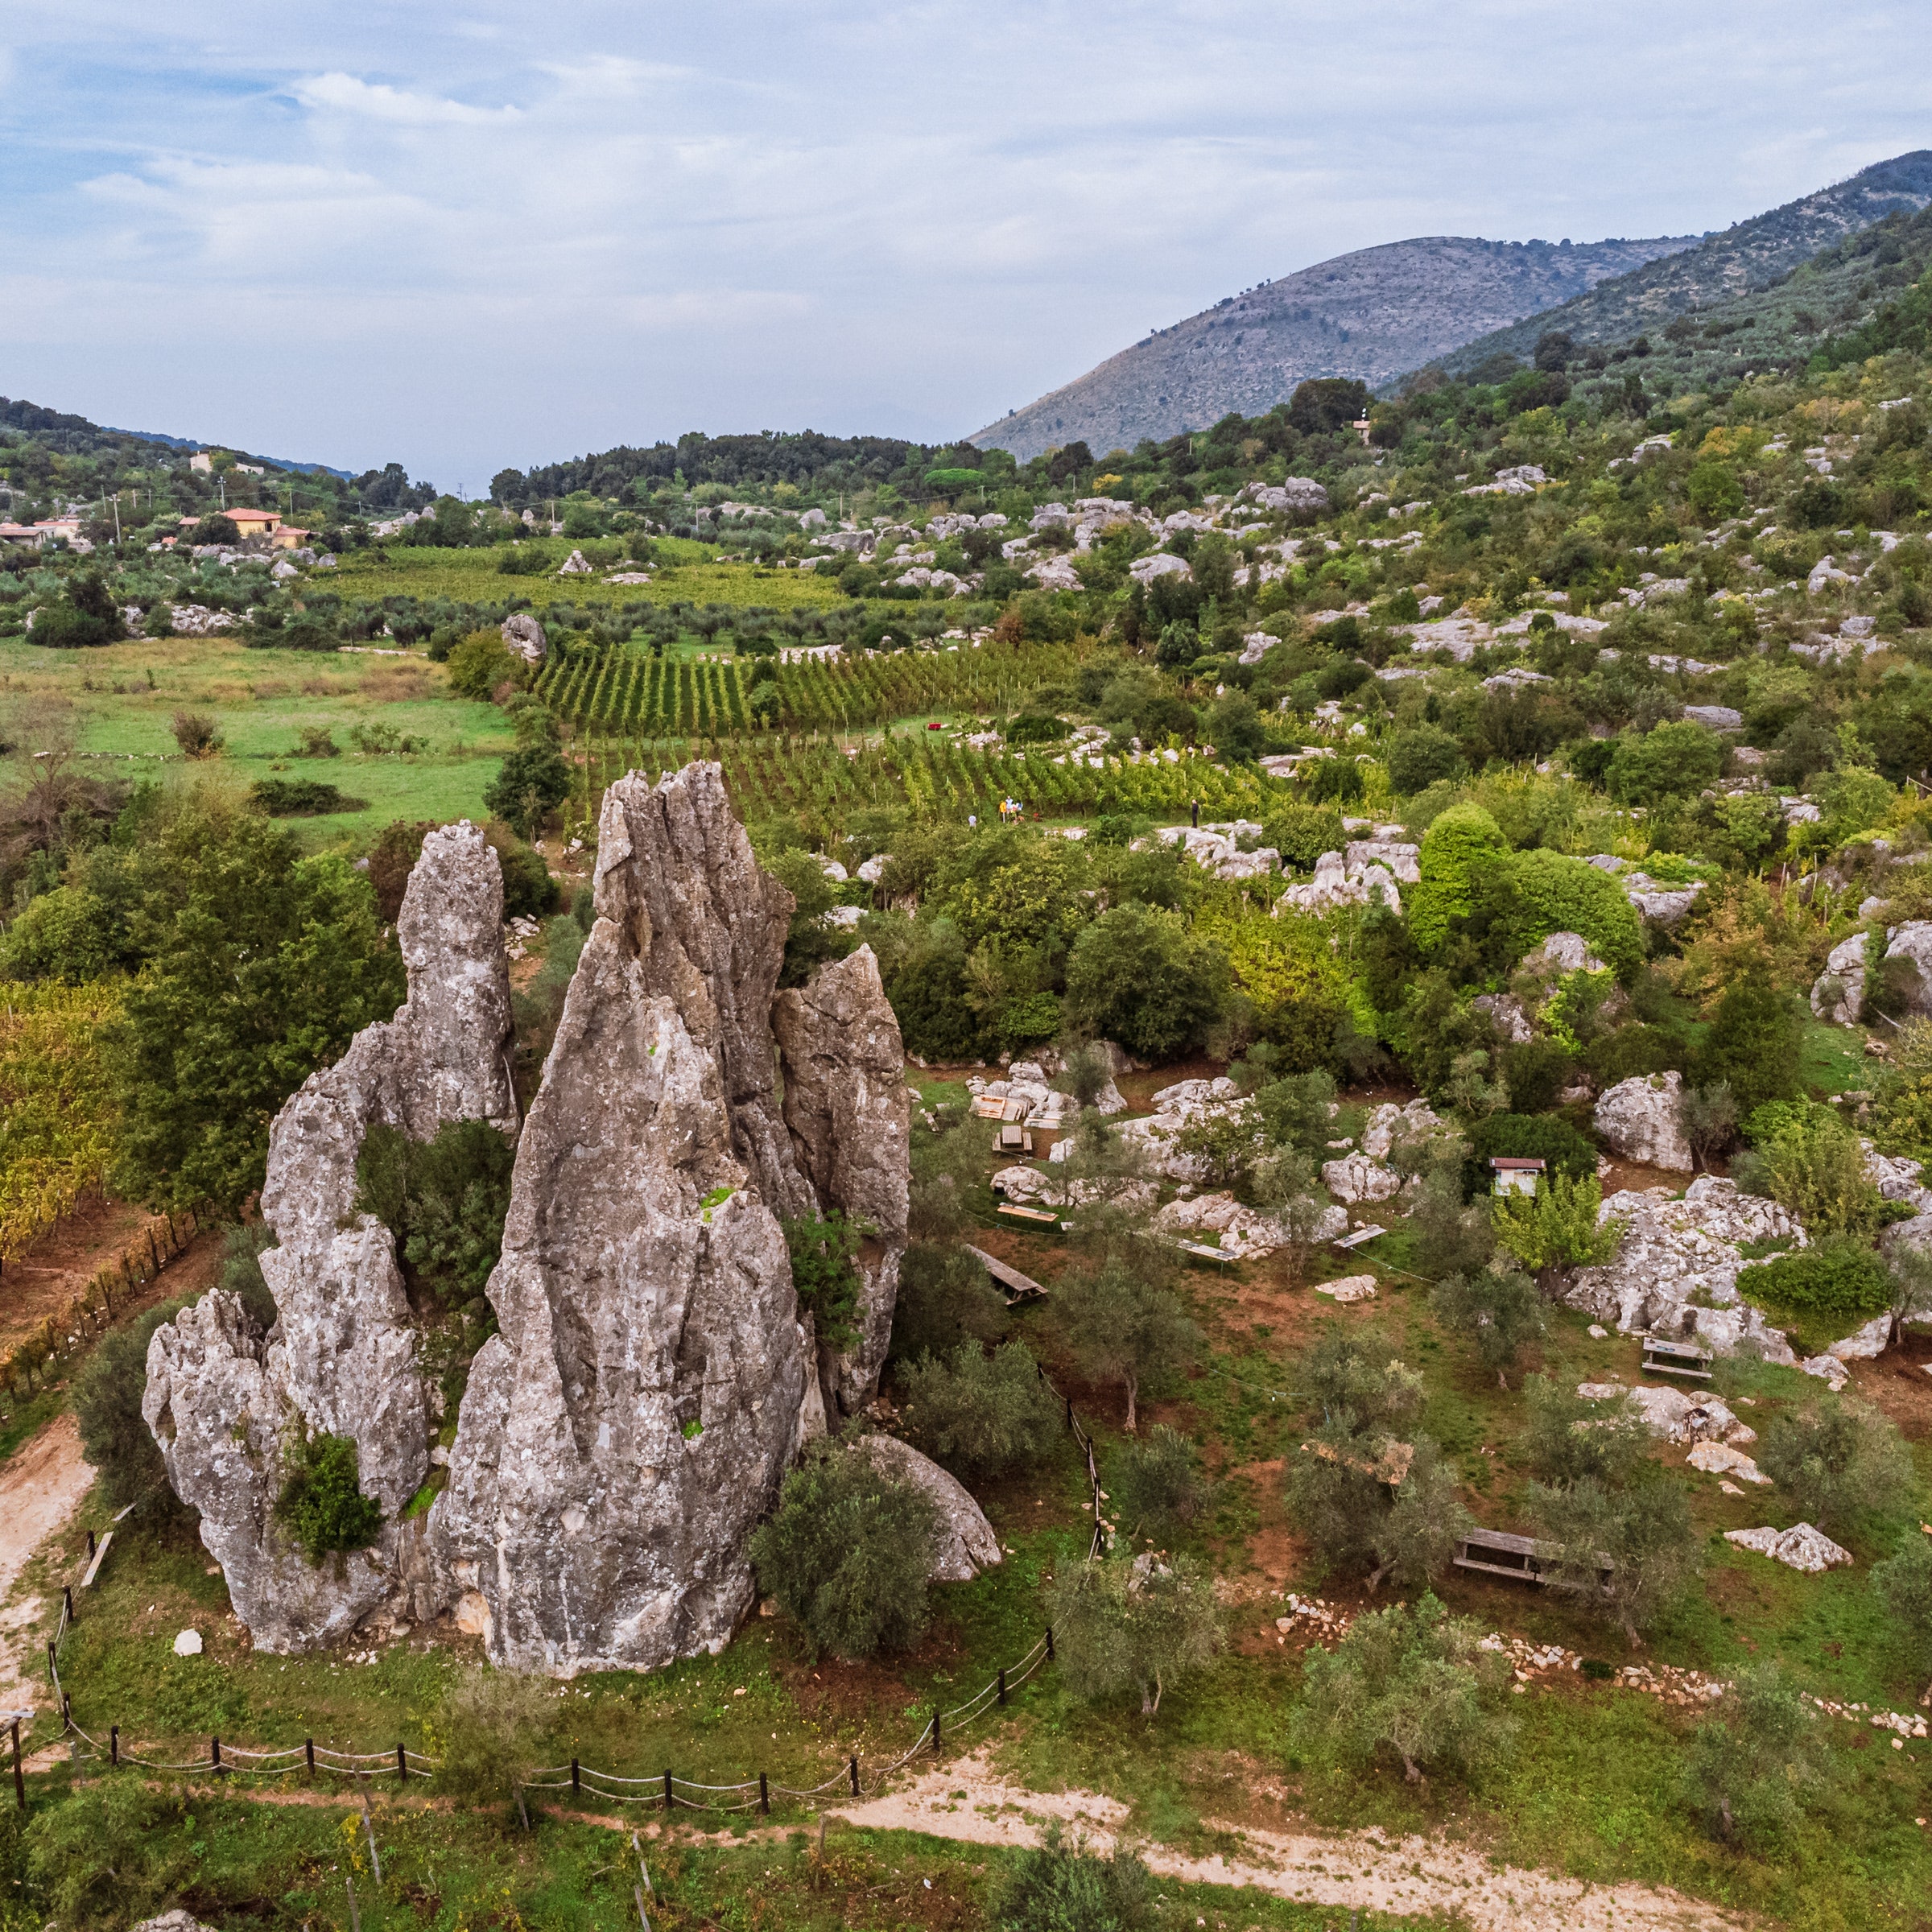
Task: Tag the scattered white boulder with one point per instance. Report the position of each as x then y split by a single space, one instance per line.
1336 883
1828 1369
1638 1119
1719 1459
188 1643
1865 1344
575 565
1913 941
1350 1288
1396 856
1356 1178
1390 1124
1675 1272
1242 1233
1800 1547
1839 991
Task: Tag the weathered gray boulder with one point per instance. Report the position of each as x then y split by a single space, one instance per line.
524 635
1675 1272
1638 1119
1839 991
623 1434
966 1542
1912 942
846 1106
341 1358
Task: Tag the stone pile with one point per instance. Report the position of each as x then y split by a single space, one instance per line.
1675 1273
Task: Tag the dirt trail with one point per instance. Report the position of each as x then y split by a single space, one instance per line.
41 1486
968 1802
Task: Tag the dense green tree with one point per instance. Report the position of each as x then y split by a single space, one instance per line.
261 965
1753 1042
1137 975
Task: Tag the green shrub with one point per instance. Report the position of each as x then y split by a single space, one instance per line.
301 798
1412 1681
848 1553
1498 1313
980 1413
482 664
493 1726
1839 1278
112 1853
1064 1888
825 1273
1665 762
1902 1584
1753 1043
1834 1462
444 1200
1424 755
1460 844
1556 1227
534 781
1128 1623
1753 1769
1138 974
1805 1157
1535 894
321 1504
1301 833
1159 1492
107 1408
945 1298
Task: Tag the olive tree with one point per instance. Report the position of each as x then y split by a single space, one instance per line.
1133 1623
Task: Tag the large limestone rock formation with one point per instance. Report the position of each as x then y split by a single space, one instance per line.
846 1106
968 1543
622 1436
342 1359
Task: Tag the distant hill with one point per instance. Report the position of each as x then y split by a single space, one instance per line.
1371 315
1748 275
76 437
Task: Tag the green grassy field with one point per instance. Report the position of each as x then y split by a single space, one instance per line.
689 573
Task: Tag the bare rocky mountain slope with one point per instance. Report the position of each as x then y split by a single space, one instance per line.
1373 315
1725 268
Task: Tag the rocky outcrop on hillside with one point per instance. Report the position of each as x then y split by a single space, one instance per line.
848 1111
624 1433
341 1360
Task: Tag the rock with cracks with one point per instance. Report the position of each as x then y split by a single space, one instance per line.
847 1110
624 1433
966 1542
1638 1119
223 1399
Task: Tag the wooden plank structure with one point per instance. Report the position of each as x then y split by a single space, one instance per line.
1361 1236
1019 1287
1688 1359
1038 1217
1200 1250
1500 1553
94 1569
1013 1138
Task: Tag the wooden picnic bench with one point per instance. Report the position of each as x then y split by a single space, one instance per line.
1038 1217
1677 1358
1500 1553
1019 1287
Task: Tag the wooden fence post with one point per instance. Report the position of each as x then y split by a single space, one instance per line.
669 1800
853 1767
214 1754
576 1779
402 1767
19 1780
1002 1686
114 1744
1050 1643
309 1746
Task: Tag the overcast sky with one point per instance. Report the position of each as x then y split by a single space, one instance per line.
486 234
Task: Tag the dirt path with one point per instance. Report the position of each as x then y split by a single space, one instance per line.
41 1487
968 1802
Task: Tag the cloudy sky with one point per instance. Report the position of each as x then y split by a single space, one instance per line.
486 234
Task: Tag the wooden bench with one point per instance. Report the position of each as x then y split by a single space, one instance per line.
1678 1358
1019 1287
1498 1553
1201 1252
1038 1217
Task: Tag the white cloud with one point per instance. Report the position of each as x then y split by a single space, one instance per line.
513 235
344 93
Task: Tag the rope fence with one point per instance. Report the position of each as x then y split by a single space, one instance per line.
666 1789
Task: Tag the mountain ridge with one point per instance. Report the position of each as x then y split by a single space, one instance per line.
1359 314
